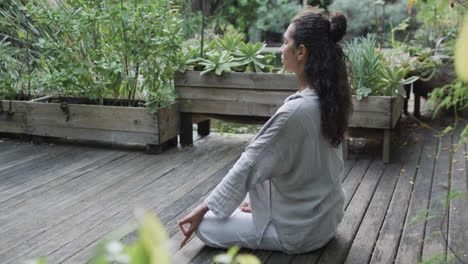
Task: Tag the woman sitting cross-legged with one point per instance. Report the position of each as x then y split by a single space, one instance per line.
291 170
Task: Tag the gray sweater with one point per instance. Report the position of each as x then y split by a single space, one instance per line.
292 175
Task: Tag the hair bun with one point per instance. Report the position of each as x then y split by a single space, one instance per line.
337 26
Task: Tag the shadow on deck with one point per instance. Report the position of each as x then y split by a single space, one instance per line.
60 200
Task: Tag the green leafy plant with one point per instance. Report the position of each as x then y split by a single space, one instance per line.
274 15
369 15
374 72
97 49
249 56
231 257
231 41
226 54
364 62
217 62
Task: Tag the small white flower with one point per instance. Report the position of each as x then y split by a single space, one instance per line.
114 248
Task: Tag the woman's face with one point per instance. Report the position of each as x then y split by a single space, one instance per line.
288 52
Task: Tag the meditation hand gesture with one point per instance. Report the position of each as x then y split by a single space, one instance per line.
193 219
245 207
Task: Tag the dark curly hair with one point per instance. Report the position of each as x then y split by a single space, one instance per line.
325 69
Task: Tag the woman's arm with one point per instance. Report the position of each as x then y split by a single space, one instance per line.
193 219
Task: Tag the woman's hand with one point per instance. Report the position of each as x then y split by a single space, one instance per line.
245 207
193 219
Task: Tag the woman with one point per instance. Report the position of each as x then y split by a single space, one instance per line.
291 169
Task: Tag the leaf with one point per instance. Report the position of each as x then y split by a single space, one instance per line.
233 251
461 52
222 258
247 259
40 260
152 236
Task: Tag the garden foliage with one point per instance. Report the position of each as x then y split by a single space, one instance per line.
373 72
370 15
121 49
227 54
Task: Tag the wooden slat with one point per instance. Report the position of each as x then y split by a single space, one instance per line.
279 258
13 176
16 154
110 136
14 229
128 119
433 243
260 81
15 123
458 217
169 122
389 237
410 247
397 108
238 95
37 196
370 119
175 186
89 213
379 104
29 181
228 107
363 244
337 249
72 201
354 179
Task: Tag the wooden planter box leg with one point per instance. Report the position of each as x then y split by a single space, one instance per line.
157 149
386 145
186 134
417 105
345 148
204 128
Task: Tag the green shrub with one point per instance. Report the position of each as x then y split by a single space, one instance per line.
121 49
274 15
365 15
373 72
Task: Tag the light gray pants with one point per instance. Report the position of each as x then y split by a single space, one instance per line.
238 229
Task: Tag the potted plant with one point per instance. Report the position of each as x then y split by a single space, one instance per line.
233 81
377 82
106 69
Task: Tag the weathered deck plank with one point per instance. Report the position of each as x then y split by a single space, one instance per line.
410 247
362 247
125 182
60 200
387 243
436 226
458 213
172 187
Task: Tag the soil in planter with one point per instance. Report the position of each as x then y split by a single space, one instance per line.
89 101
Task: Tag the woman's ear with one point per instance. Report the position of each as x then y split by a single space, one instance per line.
301 52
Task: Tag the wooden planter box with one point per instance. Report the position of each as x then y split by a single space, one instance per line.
108 124
13 117
238 95
379 113
241 97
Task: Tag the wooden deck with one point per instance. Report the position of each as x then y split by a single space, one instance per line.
59 200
